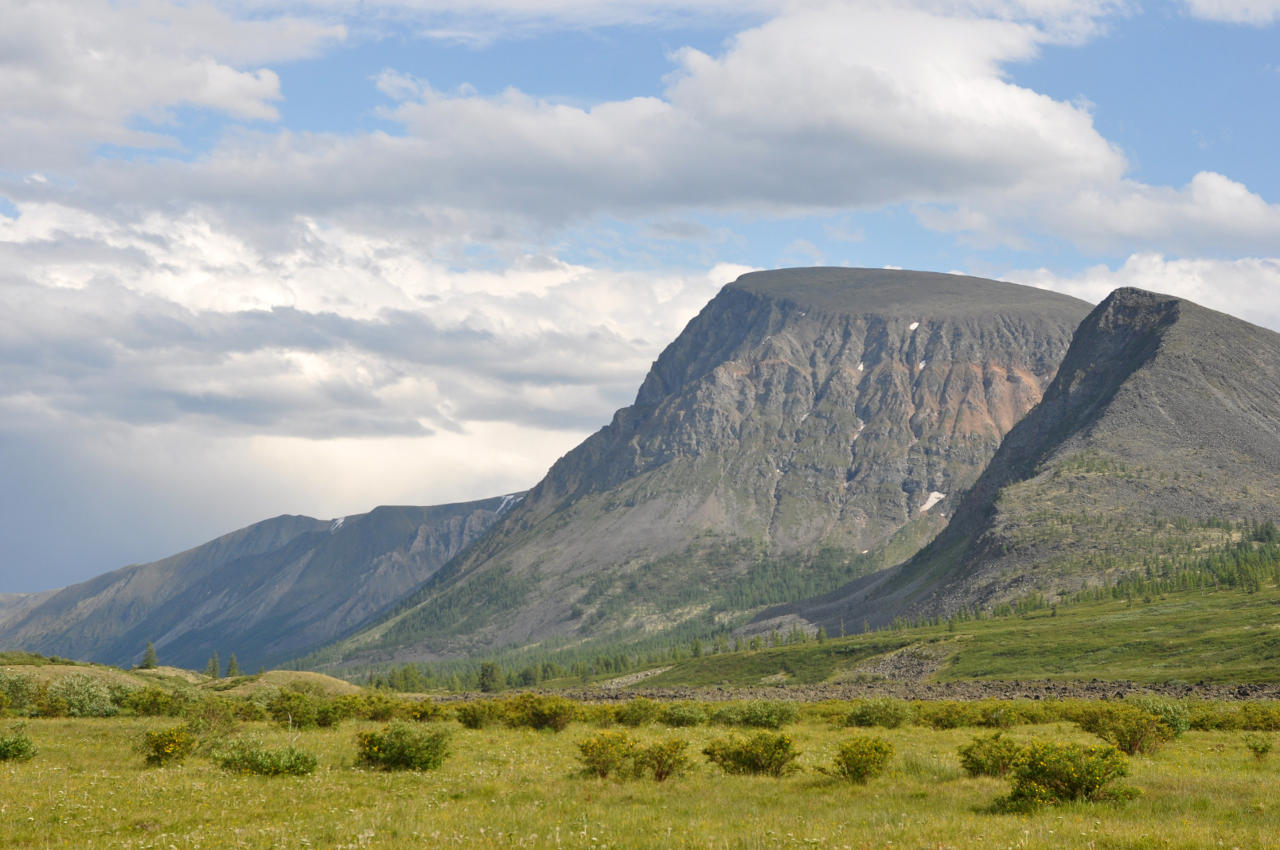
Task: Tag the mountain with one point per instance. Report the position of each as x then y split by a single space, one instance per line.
266 593
1154 455
809 425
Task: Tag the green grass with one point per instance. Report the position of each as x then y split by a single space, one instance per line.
1222 636
518 788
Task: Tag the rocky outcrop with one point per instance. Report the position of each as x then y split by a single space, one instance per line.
802 411
266 593
1161 427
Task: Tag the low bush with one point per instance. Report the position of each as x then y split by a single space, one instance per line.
16 745
760 714
636 712
862 758
536 711
1259 745
370 705
948 714
1048 773
887 712
426 711
1215 716
478 714
154 701
82 695
1131 729
18 688
169 745
1173 713
1260 716
607 752
682 714
769 753
662 759
211 719
989 755
248 755
399 746
294 709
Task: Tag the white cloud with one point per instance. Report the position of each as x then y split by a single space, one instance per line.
1255 12
1248 287
82 73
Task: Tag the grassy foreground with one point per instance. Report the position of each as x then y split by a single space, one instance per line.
503 787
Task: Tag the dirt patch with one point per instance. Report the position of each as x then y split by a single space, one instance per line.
909 664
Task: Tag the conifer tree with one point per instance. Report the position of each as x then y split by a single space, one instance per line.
233 667
149 659
213 669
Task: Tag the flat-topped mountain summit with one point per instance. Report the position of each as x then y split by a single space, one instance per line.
1157 441
807 426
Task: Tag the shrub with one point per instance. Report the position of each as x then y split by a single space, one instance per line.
1259 745
887 712
210 719
682 714
539 712
425 710
861 758
1047 773
295 709
154 701
16 745
167 746
1211 716
948 714
18 688
1130 728
989 755
761 714
636 712
1260 717
663 759
399 746
371 705
478 714
769 753
248 755
606 752
1173 713
83 696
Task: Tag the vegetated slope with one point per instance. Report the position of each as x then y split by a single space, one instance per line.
806 426
266 592
1153 453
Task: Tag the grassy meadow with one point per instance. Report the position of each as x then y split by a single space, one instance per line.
510 787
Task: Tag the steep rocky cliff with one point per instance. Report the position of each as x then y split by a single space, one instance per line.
1158 441
808 425
266 593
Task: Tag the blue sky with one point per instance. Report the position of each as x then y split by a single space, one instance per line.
309 257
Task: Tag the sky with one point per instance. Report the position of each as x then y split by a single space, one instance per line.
311 256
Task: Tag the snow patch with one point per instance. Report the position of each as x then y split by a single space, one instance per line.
858 433
860 367
920 365
336 524
934 498
509 502
913 326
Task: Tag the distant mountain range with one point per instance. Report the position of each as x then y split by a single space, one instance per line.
822 447
267 592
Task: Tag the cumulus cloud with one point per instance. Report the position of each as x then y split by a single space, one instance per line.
81 74
1247 287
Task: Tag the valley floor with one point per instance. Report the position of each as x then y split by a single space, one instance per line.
88 788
